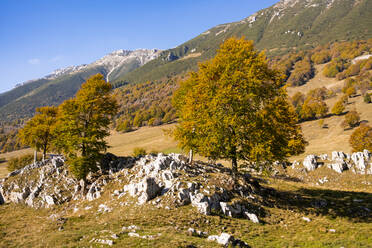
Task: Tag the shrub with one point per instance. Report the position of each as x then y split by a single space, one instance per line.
321 123
321 57
80 166
345 99
351 119
313 108
361 138
138 151
319 93
154 152
124 126
367 98
338 108
303 72
298 99
350 82
20 162
350 91
333 68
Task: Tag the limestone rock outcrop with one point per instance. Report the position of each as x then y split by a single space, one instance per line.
358 162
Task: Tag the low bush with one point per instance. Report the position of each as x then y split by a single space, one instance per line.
20 162
361 138
351 119
138 151
367 98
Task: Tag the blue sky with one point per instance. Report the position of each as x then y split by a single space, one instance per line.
39 36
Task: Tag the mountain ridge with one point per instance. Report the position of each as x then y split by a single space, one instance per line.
61 84
286 26
289 25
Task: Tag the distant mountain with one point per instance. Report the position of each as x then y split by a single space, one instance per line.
62 84
287 25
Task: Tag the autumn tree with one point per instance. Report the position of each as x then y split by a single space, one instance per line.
351 119
38 132
361 138
84 123
338 108
235 108
313 108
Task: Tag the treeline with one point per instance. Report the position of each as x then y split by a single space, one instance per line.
8 136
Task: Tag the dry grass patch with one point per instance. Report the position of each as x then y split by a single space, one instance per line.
149 138
9 155
318 81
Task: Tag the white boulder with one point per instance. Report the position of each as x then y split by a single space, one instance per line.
310 163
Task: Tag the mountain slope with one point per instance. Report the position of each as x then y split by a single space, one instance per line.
288 25
62 84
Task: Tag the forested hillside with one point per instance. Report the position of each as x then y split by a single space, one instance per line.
289 25
149 103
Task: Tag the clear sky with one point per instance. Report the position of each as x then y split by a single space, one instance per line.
39 36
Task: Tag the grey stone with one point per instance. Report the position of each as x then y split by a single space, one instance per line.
200 201
231 210
57 161
310 163
338 156
184 196
360 161
252 217
93 192
339 167
2 201
225 239
49 200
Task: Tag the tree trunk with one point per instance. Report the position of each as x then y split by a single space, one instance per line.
35 157
190 156
234 161
44 153
234 166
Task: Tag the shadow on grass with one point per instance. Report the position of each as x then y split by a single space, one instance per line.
288 178
356 206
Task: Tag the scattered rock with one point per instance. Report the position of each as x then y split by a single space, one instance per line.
103 208
103 241
133 234
229 210
130 228
306 219
226 239
252 217
197 233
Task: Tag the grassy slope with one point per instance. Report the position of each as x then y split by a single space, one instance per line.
283 226
150 138
345 194
326 140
